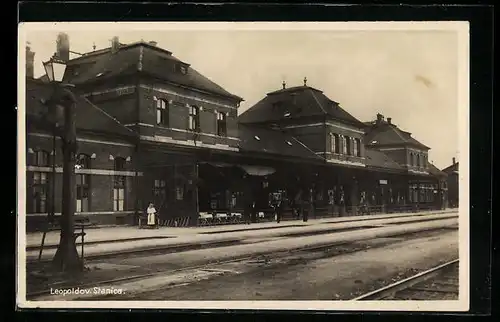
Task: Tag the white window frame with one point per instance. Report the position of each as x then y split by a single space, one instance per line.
344 145
194 118
79 183
161 111
221 116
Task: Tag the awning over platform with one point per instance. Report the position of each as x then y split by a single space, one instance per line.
219 164
254 170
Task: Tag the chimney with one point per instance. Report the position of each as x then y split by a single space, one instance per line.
389 120
284 85
62 47
454 161
30 63
380 118
153 43
115 44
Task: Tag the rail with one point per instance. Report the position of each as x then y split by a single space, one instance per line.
390 290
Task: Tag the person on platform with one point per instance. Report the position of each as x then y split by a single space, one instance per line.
247 206
151 211
277 204
306 206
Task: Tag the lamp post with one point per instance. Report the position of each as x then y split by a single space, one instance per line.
66 257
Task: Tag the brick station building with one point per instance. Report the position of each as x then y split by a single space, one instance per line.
151 128
452 179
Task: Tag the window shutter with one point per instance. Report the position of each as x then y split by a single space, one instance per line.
231 127
208 121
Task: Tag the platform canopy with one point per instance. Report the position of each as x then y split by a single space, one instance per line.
255 170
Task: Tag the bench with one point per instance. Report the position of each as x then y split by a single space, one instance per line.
205 219
220 218
144 218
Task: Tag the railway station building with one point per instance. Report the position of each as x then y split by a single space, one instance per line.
151 128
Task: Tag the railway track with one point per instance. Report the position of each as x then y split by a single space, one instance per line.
329 250
438 283
33 261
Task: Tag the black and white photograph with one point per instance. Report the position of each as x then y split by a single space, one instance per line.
265 165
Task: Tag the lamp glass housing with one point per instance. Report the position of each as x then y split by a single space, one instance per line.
55 70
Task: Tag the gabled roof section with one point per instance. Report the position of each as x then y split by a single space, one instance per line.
263 140
295 103
89 117
378 159
451 169
433 170
143 58
381 132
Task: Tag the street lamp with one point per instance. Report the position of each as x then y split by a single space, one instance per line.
66 257
55 68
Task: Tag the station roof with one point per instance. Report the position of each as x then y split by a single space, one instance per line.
89 116
144 58
296 103
435 171
378 159
381 132
451 169
268 141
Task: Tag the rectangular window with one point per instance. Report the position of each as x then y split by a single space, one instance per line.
221 124
41 158
179 193
162 112
194 118
119 194
159 189
40 189
348 145
82 192
357 147
334 144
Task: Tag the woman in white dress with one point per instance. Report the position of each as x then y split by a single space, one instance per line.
151 215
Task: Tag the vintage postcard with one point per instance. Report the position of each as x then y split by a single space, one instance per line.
275 166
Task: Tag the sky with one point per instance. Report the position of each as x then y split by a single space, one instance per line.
408 75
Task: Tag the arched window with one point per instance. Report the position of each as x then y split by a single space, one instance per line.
194 118
162 112
119 185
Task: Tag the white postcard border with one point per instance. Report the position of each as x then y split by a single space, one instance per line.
462 29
